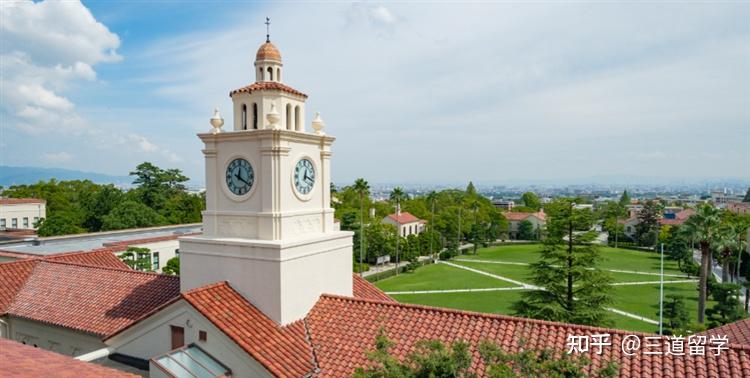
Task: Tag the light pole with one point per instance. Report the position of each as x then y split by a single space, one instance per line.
661 292
398 229
432 225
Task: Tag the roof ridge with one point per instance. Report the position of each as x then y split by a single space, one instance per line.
35 262
206 287
126 270
477 314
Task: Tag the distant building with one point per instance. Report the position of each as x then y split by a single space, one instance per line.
406 223
538 221
503 204
21 213
668 219
721 198
584 206
739 207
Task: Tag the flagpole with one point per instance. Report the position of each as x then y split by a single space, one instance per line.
661 292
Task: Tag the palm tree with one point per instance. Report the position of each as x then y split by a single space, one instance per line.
703 225
431 199
725 243
362 188
397 194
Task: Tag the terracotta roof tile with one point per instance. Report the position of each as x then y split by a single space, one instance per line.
282 350
20 201
267 85
28 361
268 51
404 217
519 216
737 332
94 299
365 290
103 257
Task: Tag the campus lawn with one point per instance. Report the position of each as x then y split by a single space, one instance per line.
500 302
644 299
612 258
439 277
523 272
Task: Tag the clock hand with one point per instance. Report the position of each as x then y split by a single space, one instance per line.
237 175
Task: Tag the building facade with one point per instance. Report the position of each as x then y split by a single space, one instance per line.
21 213
406 223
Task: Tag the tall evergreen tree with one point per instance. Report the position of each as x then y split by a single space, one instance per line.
624 198
747 196
571 287
727 308
531 200
648 223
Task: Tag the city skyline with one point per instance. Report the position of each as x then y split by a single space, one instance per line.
450 94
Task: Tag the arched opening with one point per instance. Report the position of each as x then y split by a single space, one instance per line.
289 116
255 116
278 74
244 117
260 73
270 73
297 121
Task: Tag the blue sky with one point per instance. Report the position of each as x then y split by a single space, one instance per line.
418 93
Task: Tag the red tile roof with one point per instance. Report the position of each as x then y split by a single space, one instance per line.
122 245
520 216
98 300
102 257
20 201
737 332
365 290
282 350
404 217
26 361
267 85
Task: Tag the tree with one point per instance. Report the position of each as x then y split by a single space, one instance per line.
747 196
155 185
131 214
98 204
476 236
678 247
531 200
727 308
676 315
647 228
137 258
173 266
433 358
363 189
526 230
398 195
703 225
571 287
58 224
624 199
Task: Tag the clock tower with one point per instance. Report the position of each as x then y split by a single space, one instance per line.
268 225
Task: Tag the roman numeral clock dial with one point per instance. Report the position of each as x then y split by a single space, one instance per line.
304 176
240 177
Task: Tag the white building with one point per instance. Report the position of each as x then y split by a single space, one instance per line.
406 223
21 213
538 221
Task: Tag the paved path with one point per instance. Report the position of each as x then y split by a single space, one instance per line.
608 270
455 290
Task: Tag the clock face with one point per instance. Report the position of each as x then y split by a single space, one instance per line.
304 176
240 177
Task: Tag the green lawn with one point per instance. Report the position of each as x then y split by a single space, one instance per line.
644 299
522 273
439 277
612 258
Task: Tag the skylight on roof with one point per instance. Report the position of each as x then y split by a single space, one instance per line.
191 362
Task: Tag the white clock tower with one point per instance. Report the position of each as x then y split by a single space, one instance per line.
268 225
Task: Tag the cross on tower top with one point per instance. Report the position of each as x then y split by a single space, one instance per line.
268 29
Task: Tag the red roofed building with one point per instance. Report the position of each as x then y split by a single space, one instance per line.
538 221
406 223
69 307
18 360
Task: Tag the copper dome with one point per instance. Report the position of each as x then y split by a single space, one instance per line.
268 51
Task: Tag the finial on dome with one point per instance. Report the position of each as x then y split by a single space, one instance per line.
216 121
318 124
268 29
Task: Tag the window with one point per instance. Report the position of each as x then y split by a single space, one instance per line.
155 261
255 116
244 117
36 220
177 252
297 122
14 223
260 73
25 222
178 337
288 116
278 74
2 223
270 73
202 335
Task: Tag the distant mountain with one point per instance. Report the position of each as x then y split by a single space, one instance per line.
29 175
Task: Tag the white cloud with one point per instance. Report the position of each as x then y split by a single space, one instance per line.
142 143
47 46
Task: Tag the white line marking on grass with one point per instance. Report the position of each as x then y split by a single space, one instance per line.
652 282
495 276
634 316
608 270
455 290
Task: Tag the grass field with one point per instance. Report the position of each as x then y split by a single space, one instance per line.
639 298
